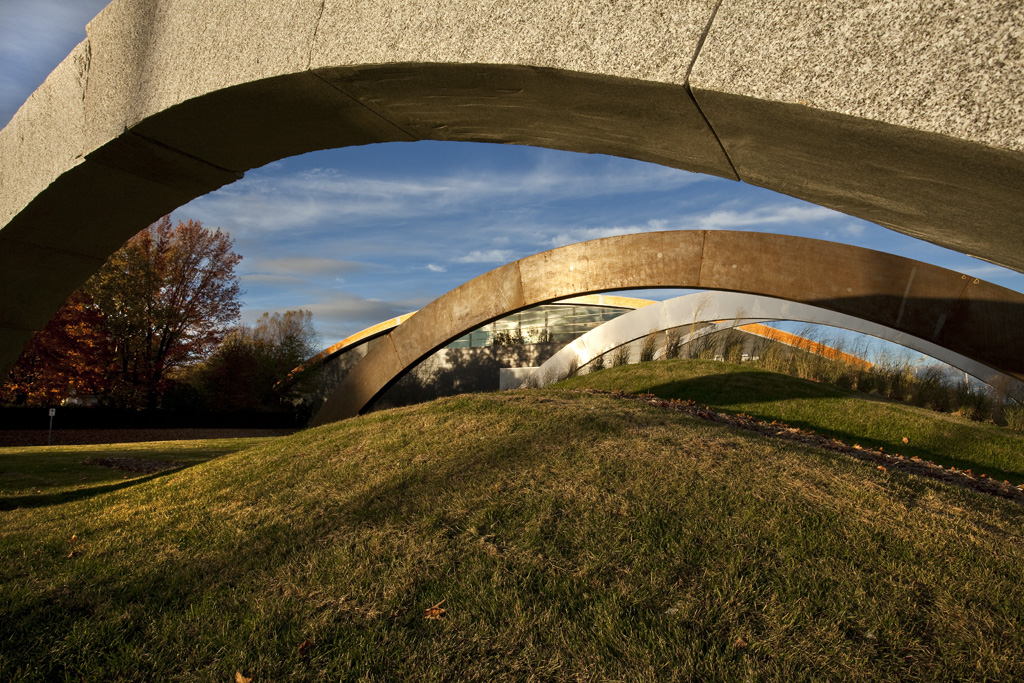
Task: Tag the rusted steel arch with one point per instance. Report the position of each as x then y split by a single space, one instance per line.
866 112
715 306
976 319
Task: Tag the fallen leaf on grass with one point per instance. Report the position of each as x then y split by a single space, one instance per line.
239 678
906 440
304 647
435 612
740 642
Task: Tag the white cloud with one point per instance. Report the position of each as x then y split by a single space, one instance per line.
271 199
488 256
272 280
775 214
308 265
434 268
585 234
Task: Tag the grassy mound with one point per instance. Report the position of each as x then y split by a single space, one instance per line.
949 440
566 536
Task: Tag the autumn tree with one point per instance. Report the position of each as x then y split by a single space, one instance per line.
168 297
72 355
244 372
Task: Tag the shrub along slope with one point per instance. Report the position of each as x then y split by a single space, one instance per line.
556 535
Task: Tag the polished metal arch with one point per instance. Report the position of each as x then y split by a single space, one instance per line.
865 112
976 319
711 307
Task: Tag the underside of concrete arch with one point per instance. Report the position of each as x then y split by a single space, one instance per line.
710 307
904 113
970 317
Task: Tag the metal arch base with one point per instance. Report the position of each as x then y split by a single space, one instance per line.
707 307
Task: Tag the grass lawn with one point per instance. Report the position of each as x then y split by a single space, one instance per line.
43 475
559 535
853 417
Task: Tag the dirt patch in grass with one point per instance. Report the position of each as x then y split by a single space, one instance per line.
77 437
134 464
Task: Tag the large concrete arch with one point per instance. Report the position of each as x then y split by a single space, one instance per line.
976 319
906 113
714 306
379 329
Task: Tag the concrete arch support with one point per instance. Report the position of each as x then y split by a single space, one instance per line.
976 319
707 307
906 113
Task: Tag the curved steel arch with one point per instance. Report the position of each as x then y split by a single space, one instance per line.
976 319
167 100
715 306
385 326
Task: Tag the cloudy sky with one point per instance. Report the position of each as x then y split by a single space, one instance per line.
362 234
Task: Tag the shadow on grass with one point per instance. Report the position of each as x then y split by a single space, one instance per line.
744 387
731 389
47 499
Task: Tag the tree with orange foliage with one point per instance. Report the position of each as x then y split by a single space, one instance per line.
72 355
168 297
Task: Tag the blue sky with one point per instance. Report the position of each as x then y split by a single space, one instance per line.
361 234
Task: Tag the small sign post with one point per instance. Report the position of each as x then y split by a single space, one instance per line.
49 437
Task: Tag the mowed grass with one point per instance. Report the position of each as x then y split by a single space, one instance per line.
44 475
853 417
567 536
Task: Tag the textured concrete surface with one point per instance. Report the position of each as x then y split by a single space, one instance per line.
147 56
952 67
653 41
903 112
963 315
710 307
45 137
906 113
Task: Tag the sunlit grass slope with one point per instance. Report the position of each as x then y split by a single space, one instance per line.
567 536
950 440
44 475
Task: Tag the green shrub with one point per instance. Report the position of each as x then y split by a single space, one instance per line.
1014 416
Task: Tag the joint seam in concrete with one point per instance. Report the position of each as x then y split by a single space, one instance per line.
693 98
85 83
953 308
316 31
366 107
700 41
700 268
394 350
174 150
906 293
519 283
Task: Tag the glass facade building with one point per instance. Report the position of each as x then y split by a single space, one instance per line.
545 323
